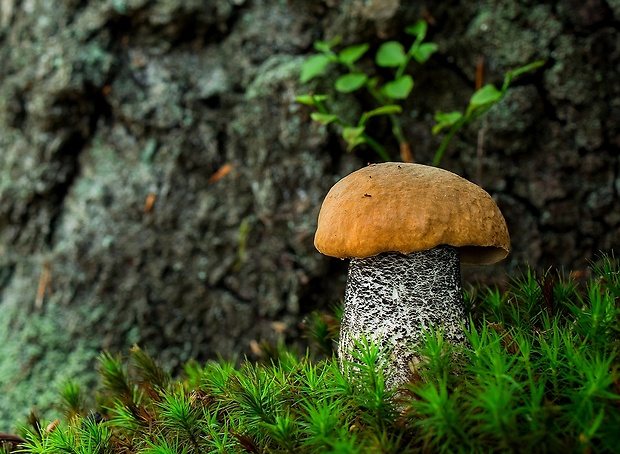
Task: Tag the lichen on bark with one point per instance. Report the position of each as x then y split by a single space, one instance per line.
105 104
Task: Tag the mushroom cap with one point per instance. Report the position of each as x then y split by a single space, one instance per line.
404 207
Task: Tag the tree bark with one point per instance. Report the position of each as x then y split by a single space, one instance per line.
160 185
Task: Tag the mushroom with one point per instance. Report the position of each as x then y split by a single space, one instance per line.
405 226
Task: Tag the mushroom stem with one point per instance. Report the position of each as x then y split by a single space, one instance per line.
391 298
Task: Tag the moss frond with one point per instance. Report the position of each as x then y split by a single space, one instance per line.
540 373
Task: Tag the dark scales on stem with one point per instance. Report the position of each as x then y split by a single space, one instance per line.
391 298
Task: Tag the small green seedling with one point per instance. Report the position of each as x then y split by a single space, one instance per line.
388 93
391 54
481 101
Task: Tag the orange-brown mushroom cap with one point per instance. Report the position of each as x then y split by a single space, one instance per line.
404 208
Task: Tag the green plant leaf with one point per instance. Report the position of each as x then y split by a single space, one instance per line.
399 88
322 118
372 82
423 52
445 119
310 100
353 136
516 72
350 133
390 55
385 110
524 69
351 54
326 46
485 95
418 29
350 82
313 67
305 99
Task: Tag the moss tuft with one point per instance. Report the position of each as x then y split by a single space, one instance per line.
540 374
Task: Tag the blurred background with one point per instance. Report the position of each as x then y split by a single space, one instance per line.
160 185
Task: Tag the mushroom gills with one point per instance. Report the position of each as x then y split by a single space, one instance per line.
392 298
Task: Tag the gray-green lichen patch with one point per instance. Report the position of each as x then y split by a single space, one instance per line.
491 28
42 346
115 124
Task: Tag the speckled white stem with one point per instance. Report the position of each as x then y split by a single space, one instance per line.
391 298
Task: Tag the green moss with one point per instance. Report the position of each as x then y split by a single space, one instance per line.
540 374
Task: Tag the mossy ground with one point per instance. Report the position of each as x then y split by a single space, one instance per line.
540 374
